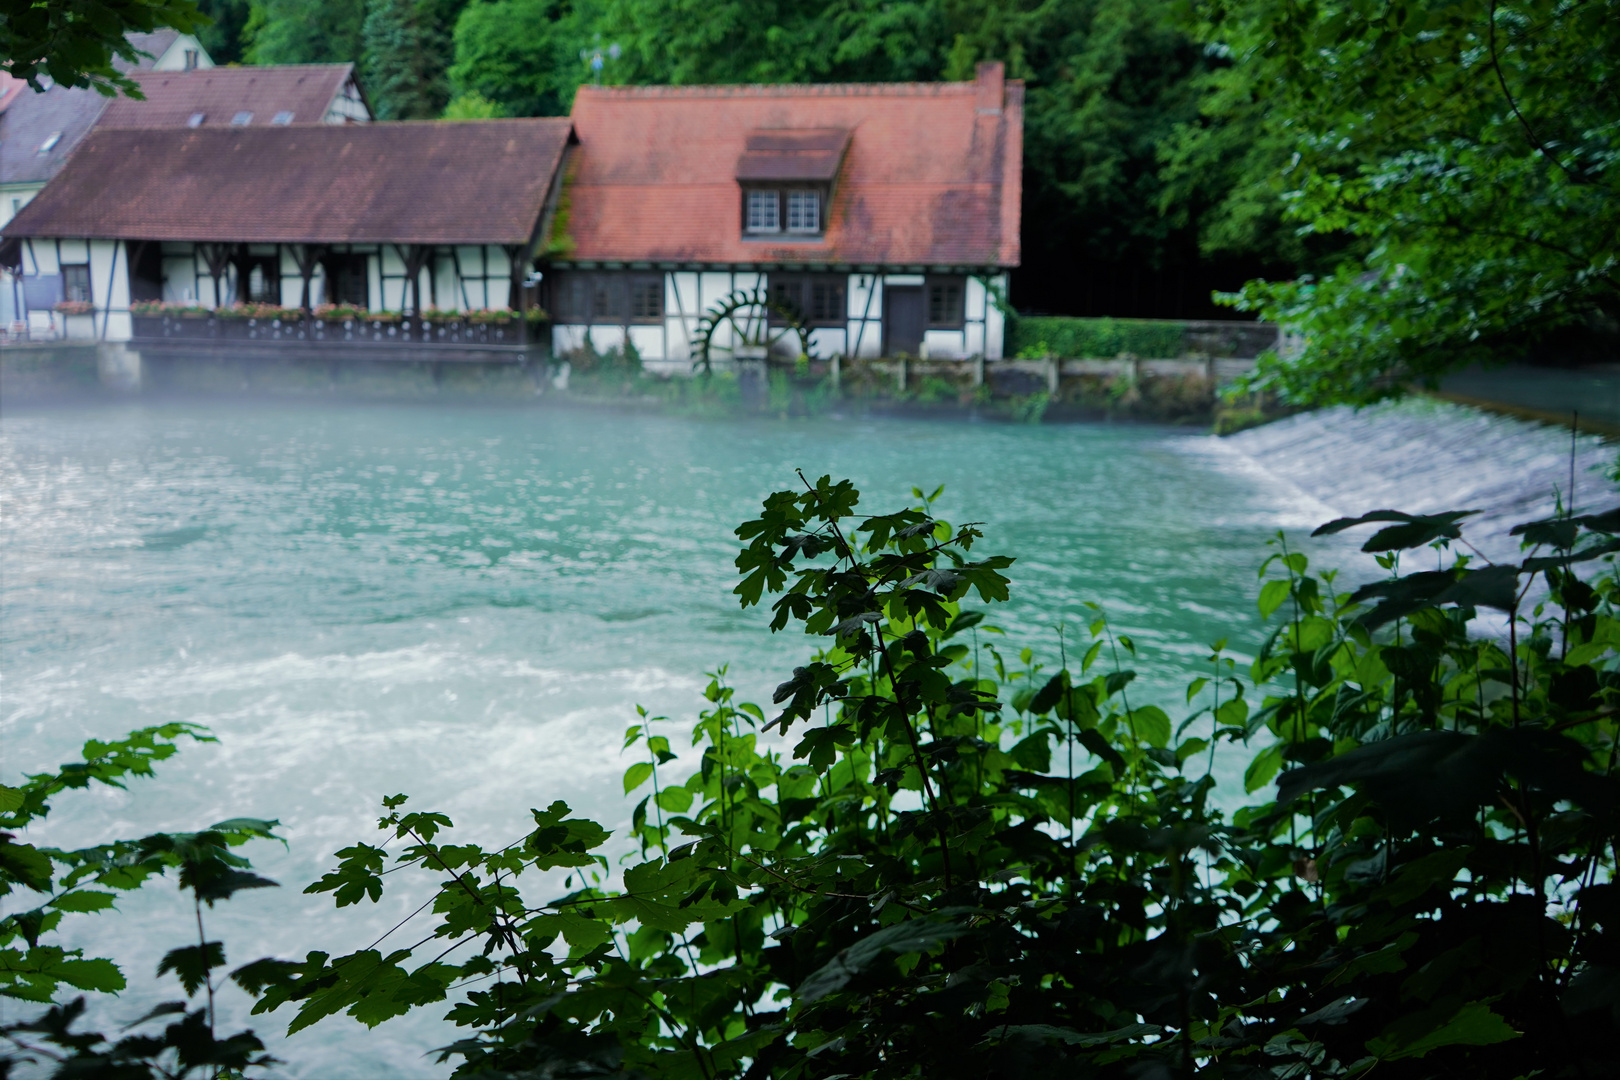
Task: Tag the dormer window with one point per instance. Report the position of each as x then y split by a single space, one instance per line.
242 119
191 59
787 177
775 210
196 119
282 117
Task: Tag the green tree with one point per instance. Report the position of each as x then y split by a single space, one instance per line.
1465 154
521 55
75 43
407 49
223 37
304 32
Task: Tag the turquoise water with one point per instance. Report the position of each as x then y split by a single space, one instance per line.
466 604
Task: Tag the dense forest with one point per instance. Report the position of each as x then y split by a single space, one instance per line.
1410 184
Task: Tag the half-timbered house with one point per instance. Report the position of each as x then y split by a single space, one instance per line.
886 215
369 218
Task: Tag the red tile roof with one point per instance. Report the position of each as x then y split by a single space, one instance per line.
220 93
438 182
931 177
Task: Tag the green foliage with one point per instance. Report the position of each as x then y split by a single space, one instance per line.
1073 338
87 880
933 862
523 55
1467 152
222 37
407 47
471 107
75 43
304 32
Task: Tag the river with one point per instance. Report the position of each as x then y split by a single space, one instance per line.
466 604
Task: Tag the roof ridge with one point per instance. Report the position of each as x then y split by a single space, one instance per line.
218 68
836 89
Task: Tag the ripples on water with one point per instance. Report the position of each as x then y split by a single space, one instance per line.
466 604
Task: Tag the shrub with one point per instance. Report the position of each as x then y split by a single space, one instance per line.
975 868
1070 338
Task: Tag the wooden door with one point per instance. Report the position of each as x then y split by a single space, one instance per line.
902 320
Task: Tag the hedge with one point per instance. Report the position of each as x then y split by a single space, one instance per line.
1073 338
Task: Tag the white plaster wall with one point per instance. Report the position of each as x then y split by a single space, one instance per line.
109 288
974 339
995 324
447 294
73 251
649 341
13 198
174 57
945 345
44 255
828 341
565 339
678 335
604 338
498 293
865 299
682 313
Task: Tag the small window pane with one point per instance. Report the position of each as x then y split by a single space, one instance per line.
607 297
764 212
76 283
804 211
827 301
647 298
787 293
945 303
282 117
242 119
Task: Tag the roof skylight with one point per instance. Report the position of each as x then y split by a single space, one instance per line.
282 117
196 119
242 119
50 142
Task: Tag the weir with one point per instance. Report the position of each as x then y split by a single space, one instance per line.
1427 456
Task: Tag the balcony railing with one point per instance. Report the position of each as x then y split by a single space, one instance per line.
509 335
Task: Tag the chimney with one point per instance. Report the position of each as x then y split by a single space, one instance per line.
989 83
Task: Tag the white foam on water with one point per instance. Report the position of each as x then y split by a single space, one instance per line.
1426 457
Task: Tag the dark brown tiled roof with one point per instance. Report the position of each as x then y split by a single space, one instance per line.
932 175
220 93
793 154
439 182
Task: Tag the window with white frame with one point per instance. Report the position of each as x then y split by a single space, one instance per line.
804 211
764 212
